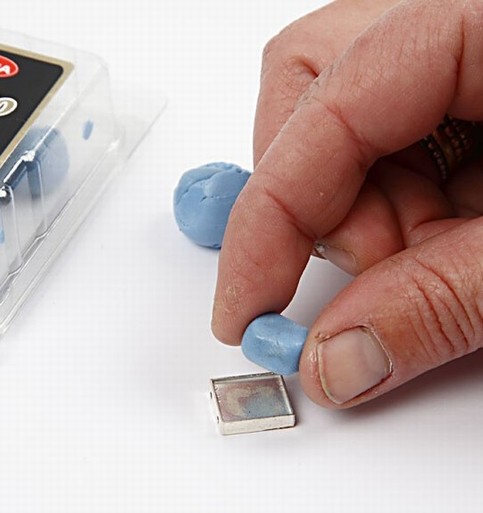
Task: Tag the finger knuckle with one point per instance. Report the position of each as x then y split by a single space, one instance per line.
273 49
280 41
293 71
443 311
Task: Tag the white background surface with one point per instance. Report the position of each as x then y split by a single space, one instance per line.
104 373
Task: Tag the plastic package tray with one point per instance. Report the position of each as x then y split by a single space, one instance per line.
61 140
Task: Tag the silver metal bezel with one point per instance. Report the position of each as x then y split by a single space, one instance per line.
283 417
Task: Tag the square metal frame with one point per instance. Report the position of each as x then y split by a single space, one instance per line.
251 403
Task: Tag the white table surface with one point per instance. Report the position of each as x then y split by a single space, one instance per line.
104 373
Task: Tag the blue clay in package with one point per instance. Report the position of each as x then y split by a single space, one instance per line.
60 142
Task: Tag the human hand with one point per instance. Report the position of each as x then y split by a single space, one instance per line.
346 93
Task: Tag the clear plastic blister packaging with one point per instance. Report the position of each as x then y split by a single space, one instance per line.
61 140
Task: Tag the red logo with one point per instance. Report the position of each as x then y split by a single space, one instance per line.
8 68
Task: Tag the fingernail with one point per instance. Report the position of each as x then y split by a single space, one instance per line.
351 363
345 260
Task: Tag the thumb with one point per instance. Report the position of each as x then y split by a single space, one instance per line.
411 313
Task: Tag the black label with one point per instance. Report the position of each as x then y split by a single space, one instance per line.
25 82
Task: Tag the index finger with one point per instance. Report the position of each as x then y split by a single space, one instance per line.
360 108
296 56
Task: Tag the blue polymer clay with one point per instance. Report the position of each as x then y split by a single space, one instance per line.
49 164
204 198
275 343
51 161
47 168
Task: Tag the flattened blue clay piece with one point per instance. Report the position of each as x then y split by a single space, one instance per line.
275 343
203 201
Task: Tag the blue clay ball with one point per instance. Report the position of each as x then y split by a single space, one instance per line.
275 343
203 201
